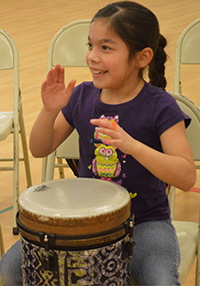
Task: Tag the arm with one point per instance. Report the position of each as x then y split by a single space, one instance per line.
175 166
50 128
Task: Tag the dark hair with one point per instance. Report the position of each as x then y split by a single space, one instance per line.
138 27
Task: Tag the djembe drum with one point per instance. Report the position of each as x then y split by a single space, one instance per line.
75 232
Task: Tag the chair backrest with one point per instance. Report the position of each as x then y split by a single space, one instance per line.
7 56
68 47
187 50
193 130
10 60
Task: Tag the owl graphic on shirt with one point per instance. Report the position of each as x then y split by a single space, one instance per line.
106 164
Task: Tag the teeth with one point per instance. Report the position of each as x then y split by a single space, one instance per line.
98 72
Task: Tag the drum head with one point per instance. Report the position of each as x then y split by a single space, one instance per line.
73 198
77 203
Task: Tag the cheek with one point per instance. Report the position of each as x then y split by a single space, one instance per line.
86 57
118 68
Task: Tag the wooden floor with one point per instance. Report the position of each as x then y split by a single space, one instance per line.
32 24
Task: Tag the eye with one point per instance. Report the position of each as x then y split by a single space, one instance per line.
89 45
105 48
109 152
102 151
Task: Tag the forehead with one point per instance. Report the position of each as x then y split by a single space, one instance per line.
100 30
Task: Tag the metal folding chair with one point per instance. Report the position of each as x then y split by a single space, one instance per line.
188 232
68 48
12 122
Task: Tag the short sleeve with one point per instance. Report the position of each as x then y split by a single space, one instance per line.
168 113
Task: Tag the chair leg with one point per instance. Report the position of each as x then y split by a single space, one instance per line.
197 282
44 168
61 169
15 175
50 167
25 149
172 200
1 243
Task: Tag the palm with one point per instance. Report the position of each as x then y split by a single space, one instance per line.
54 94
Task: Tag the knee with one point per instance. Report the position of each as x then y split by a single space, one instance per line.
10 266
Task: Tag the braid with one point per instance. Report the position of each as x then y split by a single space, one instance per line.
157 65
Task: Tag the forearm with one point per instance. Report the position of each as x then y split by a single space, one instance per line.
172 169
42 134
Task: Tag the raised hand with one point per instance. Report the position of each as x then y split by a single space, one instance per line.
54 94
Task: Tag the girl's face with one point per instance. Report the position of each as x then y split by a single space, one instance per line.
108 59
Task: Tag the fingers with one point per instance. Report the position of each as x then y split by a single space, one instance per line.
114 124
70 86
56 75
103 123
61 75
44 84
111 128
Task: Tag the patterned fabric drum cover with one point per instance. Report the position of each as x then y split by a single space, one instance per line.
75 232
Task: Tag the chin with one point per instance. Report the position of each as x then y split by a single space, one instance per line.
98 84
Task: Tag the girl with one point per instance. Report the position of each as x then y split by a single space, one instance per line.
139 121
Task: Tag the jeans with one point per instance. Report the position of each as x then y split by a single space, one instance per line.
154 262
156 255
10 266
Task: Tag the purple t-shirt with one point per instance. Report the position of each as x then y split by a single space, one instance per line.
145 118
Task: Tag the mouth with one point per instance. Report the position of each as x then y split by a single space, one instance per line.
98 72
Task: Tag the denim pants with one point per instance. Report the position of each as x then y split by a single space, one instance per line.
156 255
154 262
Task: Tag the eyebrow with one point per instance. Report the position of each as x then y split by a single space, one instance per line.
105 41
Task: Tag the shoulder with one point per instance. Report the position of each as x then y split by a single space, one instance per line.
165 109
158 93
157 99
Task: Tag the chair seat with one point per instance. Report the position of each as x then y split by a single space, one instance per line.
6 124
187 233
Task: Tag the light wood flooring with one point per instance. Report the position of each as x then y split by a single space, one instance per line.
32 24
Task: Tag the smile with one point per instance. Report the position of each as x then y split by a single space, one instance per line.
97 72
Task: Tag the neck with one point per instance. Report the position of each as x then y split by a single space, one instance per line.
117 96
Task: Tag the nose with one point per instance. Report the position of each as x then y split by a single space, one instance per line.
92 56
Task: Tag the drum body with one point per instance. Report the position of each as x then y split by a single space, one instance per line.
75 232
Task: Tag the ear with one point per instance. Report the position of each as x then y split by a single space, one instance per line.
144 57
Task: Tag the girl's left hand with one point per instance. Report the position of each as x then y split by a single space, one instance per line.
119 138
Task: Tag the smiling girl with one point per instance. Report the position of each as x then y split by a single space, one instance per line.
134 125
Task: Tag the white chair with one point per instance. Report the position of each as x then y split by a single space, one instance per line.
68 48
188 232
187 51
11 122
